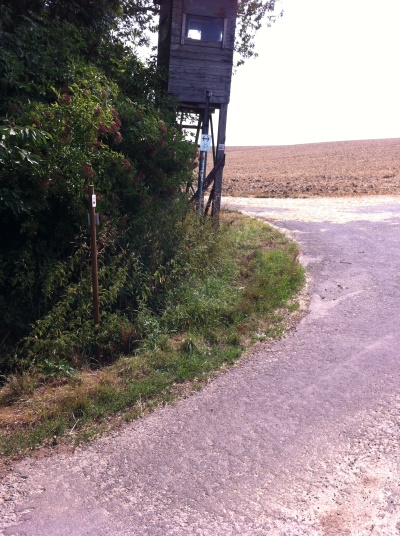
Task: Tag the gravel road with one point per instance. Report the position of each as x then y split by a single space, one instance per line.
302 438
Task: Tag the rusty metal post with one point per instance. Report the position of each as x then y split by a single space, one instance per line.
93 254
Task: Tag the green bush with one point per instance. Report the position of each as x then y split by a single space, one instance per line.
74 115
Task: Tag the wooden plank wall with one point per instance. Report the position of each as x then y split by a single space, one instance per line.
196 66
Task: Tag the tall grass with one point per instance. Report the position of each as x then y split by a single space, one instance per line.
226 286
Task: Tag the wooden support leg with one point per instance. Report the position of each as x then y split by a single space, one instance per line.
220 158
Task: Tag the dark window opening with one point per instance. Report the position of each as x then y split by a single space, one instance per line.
204 28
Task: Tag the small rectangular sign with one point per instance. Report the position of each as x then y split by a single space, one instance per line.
205 143
94 200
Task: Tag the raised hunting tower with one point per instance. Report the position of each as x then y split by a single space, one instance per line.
195 46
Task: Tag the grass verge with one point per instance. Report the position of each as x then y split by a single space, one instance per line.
240 286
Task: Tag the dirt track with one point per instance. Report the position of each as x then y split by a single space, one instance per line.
302 439
347 168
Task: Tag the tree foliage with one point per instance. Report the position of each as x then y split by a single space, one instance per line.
134 17
251 15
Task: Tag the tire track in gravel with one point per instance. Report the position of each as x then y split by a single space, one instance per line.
302 438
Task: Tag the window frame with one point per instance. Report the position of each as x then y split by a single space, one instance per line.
188 40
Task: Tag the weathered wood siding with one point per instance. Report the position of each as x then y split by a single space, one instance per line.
196 66
164 34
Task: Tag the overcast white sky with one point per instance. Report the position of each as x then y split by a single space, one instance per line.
328 70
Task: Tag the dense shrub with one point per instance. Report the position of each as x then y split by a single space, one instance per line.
72 115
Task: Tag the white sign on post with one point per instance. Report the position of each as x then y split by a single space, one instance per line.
205 143
94 200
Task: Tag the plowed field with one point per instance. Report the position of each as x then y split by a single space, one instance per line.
346 168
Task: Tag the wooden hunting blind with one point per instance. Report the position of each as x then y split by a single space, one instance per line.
195 47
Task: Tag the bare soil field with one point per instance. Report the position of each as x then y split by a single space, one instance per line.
346 168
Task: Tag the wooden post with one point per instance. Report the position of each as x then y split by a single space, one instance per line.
93 253
220 159
203 155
